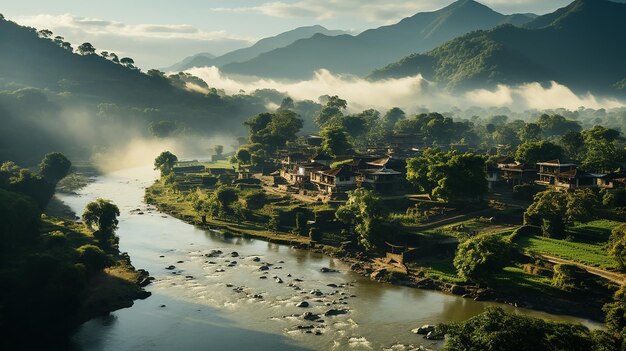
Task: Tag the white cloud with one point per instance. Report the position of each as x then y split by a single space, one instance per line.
411 93
151 45
379 11
96 26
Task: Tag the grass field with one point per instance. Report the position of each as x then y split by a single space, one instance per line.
586 243
218 164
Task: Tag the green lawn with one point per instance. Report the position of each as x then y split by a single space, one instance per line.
514 280
219 164
586 244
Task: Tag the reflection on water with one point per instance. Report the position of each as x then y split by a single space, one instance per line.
226 302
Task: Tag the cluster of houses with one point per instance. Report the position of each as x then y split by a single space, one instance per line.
556 174
383 174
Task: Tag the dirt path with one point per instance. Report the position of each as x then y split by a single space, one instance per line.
618 278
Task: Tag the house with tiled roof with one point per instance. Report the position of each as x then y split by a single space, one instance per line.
334 181
565 175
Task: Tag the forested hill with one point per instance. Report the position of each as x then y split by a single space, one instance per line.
373 48
44 83
581 46
261 46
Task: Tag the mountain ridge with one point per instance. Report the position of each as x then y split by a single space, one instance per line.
373 48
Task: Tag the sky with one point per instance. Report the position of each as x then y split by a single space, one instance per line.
158 33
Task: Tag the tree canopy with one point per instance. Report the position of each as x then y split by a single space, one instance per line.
165 162
363 212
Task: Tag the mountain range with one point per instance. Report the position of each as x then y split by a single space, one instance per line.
374 48
581 45
245 54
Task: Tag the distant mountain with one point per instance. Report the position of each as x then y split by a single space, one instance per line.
373 48
50 98
262 46
181 66
580 45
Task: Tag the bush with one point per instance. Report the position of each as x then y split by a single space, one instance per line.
527 230
569 277
315 234
255 200
274 223
495 329
553 228
93 258
617 246
301 223
476 257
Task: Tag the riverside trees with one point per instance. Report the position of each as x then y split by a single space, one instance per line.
448 176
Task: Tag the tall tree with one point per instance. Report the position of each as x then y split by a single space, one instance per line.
363 212
537 151
165 162
86 49
335 140
54 167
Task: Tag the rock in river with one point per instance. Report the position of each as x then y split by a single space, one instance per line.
424 329
335 312
328 270
302 304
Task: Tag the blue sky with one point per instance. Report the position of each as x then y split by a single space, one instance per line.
157 33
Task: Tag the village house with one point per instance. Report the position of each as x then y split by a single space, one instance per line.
334 181
564 176
519 173
612 180
381 180
186 167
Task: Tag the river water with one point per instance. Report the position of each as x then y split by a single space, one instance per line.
210 303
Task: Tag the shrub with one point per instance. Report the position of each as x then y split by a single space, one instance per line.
301 223
495 329
569 277
255 200
553 228
274 223
315 234
476 257
93 258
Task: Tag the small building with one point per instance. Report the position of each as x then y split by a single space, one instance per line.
493 175
565 176
381 180
300 174
519 173
612 180
334 181
186 167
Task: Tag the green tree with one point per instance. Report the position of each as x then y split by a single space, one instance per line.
573 143
165 162
100 216
449 175
530 132
478 256
93 258
128 62
332 109
54 167
555 125
19 220
601 155
617 246
86 49
496 330
600 133
554 210
274 130
163 129
537 151
243 156
363 212
335 140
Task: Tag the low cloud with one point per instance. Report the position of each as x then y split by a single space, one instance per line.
410 93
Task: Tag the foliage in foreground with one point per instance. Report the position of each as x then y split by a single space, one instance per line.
496 330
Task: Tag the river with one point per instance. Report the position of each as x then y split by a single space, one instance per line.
209 303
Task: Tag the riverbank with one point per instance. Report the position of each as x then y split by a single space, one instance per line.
510 290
